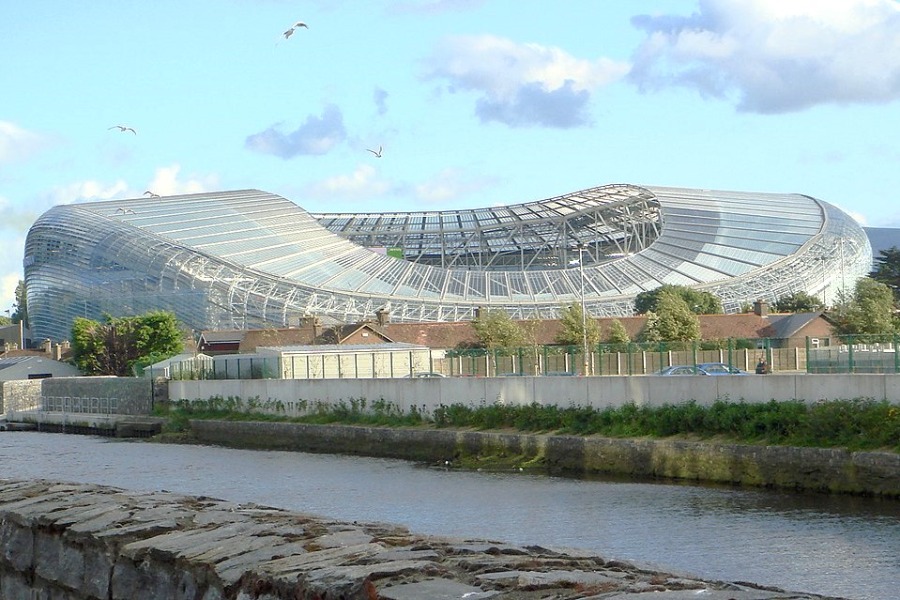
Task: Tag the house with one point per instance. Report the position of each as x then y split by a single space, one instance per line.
781 330
220 342
309 333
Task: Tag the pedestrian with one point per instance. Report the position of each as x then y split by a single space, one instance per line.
762 367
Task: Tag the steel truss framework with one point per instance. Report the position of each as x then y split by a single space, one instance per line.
250 259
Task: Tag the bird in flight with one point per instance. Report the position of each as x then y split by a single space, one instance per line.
377 153
125 211
293 28
151 194
124 128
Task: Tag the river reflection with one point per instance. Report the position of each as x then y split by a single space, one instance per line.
839 546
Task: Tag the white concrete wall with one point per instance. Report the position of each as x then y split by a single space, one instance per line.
599 392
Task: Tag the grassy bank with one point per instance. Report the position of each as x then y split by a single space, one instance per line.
857 424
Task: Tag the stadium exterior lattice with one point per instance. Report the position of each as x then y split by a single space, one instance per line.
250 259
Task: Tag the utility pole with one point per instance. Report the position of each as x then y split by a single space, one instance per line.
585 368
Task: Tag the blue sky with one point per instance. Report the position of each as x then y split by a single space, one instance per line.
474 102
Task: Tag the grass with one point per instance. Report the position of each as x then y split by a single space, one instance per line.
856 424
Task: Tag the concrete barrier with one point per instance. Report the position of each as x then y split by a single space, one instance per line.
598 392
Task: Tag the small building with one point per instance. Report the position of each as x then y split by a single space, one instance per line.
355 361
34 367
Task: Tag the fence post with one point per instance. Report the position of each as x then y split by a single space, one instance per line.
850 353
808 356
896 356
599 358
730 353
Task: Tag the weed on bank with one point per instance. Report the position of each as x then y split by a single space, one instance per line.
857 424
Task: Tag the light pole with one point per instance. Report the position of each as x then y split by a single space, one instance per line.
584 341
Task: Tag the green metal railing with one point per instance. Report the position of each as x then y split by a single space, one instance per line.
854 354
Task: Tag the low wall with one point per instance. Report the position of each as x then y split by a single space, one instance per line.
295 395
77 396
87 542
811 469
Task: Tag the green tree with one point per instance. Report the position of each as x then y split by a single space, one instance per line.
673 320
701 303
617 333
797 302
20 313
114 346
887 270
4 321
574 323
495 329
870 310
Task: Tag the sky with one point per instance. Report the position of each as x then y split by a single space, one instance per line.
469 103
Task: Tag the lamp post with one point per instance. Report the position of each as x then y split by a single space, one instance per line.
584 341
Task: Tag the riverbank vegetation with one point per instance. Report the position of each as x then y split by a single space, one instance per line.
856 424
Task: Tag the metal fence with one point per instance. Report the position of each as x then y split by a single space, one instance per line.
855 354
603 359
631 358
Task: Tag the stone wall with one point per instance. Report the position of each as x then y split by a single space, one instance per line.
84 542
812 469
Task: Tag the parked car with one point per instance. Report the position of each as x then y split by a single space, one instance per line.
425 374
559 374
720 369
681 370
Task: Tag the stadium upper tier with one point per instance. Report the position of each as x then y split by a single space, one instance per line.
250 259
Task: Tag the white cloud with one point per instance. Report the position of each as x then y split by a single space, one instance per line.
87 191
10 269
522 84
17 143
773 56
166 183
449 184
317 135
363 182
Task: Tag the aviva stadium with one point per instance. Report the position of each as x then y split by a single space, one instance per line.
249 259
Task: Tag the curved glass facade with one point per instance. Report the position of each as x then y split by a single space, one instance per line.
250 259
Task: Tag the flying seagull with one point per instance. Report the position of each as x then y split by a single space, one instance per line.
290 31
123 128
151 194
377 153
125 211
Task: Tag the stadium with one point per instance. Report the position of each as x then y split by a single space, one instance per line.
248 259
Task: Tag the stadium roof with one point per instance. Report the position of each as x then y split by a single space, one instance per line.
248 258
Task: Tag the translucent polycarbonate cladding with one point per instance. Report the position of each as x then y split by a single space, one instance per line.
247 258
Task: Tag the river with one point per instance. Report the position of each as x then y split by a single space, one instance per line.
830 545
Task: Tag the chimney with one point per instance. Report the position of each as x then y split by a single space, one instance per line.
382 317
761 308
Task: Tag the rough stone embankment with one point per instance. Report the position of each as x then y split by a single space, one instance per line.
80 542
832 470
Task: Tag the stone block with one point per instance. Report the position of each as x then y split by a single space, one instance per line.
58 562
16 546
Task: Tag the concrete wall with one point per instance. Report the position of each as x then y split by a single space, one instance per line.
599 392
813 469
